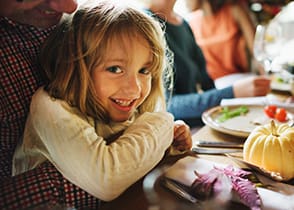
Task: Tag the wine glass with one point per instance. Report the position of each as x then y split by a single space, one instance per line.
258 44
267 45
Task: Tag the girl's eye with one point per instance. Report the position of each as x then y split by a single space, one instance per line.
144 71
114 69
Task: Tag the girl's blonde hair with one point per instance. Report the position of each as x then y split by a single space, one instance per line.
81 42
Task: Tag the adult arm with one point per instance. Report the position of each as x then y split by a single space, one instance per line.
44 188
193 105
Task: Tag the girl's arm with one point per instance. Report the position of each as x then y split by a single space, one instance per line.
71 143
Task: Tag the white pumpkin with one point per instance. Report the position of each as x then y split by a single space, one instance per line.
272 147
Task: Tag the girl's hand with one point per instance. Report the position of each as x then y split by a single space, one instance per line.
182 136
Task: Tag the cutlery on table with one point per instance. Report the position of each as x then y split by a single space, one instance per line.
180 191
214 151
272 175
218 144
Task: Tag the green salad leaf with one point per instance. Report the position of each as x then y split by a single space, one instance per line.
227 113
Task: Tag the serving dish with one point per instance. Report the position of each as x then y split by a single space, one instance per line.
240 126
238 157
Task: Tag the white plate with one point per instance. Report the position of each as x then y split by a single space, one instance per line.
281 86
277 196
281 81
240 126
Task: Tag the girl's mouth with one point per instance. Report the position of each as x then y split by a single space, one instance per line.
124 103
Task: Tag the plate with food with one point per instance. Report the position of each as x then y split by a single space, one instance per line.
281 82
240 120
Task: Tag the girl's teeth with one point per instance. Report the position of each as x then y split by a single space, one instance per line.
123 103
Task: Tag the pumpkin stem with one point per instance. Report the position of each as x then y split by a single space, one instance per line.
274 128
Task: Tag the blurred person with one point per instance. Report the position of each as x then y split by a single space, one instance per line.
224 30
193 91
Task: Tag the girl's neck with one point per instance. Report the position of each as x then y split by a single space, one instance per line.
165 10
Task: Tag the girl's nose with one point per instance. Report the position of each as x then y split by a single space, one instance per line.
66 6
132 85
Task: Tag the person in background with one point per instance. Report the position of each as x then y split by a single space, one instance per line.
193 91
107 130
224 30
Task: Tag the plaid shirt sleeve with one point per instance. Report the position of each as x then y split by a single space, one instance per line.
19 79
43 187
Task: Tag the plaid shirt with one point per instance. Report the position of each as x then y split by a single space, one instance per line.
19 79
43 188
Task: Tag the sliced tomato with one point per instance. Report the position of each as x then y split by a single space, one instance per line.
270 110
281 114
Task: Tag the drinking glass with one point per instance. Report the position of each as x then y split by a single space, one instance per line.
267 45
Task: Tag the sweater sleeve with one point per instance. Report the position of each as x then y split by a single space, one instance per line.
192 105
71 143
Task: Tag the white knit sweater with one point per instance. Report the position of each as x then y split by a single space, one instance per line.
78 148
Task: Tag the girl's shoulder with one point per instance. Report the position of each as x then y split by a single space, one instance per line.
42 103
42 97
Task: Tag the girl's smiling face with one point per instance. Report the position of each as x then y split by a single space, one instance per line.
123 81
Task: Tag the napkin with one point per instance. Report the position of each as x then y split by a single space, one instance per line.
279 197
261 100
228 80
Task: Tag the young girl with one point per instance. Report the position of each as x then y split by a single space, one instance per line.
101 118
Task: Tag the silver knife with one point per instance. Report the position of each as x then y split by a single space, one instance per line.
214 151
219 144
171 185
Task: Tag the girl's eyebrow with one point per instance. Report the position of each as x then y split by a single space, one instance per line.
118 60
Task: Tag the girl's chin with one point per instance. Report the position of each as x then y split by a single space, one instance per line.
121 119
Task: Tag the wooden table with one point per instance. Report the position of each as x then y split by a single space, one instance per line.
208 134
135 198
